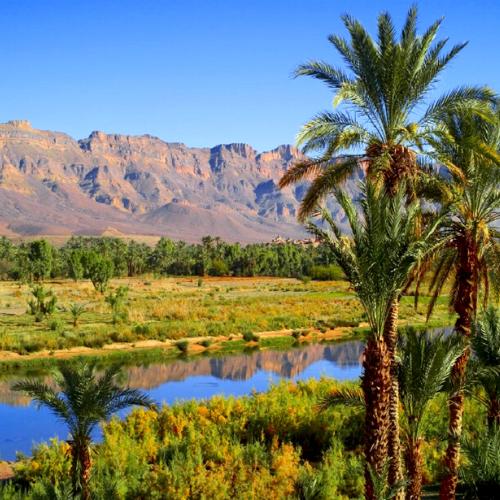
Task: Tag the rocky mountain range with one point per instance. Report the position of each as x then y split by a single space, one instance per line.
54 185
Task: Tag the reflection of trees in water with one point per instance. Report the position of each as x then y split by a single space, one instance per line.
235 367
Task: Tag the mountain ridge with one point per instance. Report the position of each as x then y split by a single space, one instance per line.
52 184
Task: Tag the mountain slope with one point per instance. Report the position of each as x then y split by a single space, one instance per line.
51 184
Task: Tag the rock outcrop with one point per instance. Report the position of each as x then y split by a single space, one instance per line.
52 184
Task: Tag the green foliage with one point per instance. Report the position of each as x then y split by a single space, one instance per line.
481 474
249 336
484 369
76 310
43 303
263 445
40 256
383 250
330 272
424 371
99 269
383 107
74 261
83 399
183 346
218 268
117 302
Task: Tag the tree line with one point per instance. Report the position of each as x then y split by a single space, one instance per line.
101 258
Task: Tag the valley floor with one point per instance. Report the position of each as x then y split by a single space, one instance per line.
208 313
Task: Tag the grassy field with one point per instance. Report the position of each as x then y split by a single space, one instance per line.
170 309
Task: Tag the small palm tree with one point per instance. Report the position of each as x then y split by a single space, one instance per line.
481 475
83 401
425 367
377 260
485 343
76 310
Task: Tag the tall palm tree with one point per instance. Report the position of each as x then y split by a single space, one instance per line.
377 260
380 124
425 367
485 344
83 400
470 145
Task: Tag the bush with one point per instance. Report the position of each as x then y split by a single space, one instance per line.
183 346
116 300
250 337
331 272
55 325
206 343
43 303
218 268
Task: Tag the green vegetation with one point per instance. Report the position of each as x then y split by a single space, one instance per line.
273 444
424 224
82 401
170 309
100 259
42 304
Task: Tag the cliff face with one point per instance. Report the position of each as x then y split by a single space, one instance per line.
51 184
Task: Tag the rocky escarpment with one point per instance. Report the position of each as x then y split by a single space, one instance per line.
52 184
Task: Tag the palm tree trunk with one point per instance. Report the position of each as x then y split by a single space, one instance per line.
493 412
80 468
394 444
465 306
375 384
414 463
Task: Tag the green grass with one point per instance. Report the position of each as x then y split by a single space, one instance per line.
176 308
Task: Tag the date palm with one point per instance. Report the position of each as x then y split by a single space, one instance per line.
84 399
485 344
425 367
377 260
472 251
383 117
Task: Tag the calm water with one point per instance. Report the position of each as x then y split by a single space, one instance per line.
24 425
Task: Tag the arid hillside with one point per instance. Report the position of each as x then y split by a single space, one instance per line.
52 184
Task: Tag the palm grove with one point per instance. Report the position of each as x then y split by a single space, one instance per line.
426 213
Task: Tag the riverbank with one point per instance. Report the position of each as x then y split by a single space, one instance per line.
162 313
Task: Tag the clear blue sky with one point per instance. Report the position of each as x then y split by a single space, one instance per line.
201 72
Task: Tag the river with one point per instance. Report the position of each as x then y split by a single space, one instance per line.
24 424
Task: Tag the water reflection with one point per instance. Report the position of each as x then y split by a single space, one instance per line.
24 424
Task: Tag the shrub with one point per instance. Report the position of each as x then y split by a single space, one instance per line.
43 303
218 268
116 300
55 325
183 346
330 272
250 337
206 343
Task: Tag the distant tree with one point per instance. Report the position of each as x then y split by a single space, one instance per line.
218 267
83 400
40 258
99 269
75 265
